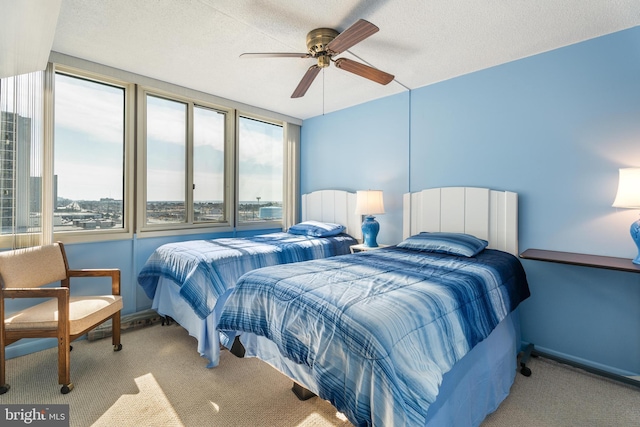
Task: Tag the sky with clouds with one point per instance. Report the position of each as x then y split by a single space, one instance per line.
89 145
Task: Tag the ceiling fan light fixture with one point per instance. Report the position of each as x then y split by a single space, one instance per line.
318 39
324 61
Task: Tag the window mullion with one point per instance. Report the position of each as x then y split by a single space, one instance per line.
189 180
48 203
230 169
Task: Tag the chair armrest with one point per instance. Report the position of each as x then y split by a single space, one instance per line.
114 273
60 293
56 292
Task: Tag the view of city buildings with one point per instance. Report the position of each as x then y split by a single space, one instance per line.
15 149
107 213
21 195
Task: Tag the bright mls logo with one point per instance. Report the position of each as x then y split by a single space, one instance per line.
34 415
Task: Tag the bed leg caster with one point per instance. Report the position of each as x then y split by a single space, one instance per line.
237 349
301 392
4 388
167 320
527 354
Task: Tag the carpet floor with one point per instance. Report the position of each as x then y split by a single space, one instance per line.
158 379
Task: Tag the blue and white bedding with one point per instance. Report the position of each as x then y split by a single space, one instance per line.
205 269
378 329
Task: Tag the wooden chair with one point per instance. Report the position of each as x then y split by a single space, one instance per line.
24 274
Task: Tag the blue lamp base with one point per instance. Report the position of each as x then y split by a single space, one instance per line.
635 235
370 228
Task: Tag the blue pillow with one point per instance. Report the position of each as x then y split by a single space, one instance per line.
445 243
316 229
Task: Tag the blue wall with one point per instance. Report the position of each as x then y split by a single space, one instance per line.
554 128
361 148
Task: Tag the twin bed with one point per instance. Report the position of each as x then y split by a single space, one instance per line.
422 333
189 281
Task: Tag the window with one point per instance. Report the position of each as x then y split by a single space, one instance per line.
208 165
166 160
67 169
260 171
184 163
89 155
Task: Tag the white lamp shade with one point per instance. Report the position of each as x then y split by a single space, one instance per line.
369 202
628 195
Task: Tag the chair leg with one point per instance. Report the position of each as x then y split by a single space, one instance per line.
115 332
4 387
64 364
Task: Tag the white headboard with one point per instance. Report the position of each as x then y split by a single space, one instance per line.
488 214
334 206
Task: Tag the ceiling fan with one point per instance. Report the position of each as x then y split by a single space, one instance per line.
325 43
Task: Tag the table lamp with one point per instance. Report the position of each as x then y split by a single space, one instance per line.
369 203
628 196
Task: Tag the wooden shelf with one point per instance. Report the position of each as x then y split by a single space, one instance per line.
595 261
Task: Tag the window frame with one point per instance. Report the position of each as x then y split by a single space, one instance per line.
126 231
143 229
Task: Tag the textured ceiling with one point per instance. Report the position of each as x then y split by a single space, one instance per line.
197 43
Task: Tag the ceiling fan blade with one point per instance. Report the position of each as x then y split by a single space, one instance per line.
352 35
364 71
275 55
306 81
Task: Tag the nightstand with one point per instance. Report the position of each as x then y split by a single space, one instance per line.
362 248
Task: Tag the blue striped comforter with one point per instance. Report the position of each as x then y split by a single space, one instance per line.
378 329
205 269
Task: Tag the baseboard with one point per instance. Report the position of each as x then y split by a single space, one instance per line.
627 379
140 319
